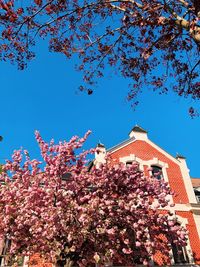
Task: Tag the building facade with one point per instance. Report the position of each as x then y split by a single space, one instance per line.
139 148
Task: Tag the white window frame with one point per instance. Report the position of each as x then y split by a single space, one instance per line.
183 222
198 199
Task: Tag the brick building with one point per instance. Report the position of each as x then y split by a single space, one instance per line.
141 149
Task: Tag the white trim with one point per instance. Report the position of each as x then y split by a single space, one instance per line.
159 163
156 161
183 221
26 261
183 207
132 157
179 207
187 181
197 222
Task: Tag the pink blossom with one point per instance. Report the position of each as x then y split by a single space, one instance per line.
96 214
127 250
138 244
126 241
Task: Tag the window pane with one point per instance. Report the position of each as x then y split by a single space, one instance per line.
157 172
179 254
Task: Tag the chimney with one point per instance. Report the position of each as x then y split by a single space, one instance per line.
138 133
100 155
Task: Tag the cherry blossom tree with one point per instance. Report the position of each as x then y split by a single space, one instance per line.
152 42
71 215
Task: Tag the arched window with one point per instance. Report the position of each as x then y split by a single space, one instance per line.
130 162
157 172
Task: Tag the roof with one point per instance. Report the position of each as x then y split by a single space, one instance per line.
123 143
180 156
195 182
138 129
100 145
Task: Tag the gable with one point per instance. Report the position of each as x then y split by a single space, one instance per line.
146 151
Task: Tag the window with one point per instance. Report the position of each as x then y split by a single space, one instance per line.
67 177
5 258
130 162
179 254
5 246
197 194
198 198
157 172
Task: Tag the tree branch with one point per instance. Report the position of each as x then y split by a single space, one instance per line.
184 3
127 1
185 24
34 15
197 7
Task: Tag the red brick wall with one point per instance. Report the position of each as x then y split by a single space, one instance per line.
145 151
193 234
159 258
37 261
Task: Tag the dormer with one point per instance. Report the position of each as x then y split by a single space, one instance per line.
138 133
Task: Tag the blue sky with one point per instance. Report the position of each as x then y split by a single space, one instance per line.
45 97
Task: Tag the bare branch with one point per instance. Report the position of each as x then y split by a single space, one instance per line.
117 7
34 15
127 1
106 53
198 62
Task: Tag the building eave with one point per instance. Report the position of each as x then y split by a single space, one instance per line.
120 145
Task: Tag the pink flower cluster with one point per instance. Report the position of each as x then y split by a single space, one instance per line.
65 212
